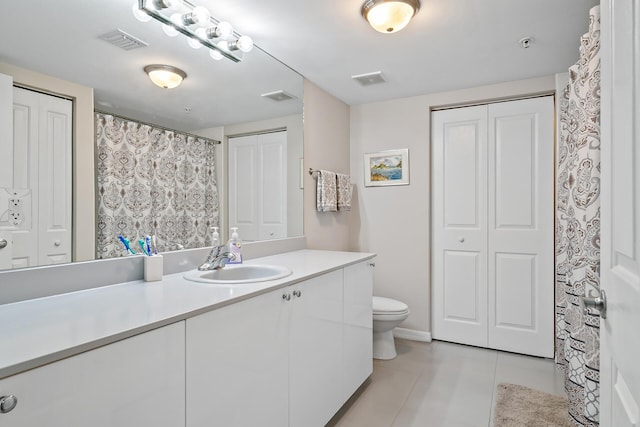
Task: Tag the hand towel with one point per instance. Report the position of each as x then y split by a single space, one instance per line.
344 192
326 197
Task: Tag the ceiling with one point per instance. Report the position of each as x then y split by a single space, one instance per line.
450 44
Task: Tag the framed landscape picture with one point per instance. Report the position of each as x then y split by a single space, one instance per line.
386 168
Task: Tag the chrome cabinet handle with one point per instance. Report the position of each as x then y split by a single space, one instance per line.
597 301
7 403
372 264
3 243
286 297
297 293
461 239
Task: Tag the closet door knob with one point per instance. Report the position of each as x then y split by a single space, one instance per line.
461 239
286 297
297 293
3 243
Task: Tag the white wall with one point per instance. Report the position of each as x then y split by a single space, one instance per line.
326 146
394 221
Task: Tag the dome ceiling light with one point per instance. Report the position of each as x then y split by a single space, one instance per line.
165 76
389 16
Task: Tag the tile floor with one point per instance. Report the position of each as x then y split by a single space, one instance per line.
442 384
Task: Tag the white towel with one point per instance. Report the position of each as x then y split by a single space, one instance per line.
326 196
344 192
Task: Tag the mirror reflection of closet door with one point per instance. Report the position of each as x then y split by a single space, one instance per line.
258 185
35 196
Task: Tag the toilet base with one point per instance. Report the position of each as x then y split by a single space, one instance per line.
384 347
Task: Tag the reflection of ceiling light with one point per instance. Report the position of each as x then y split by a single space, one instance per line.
389 16
195 22
165 76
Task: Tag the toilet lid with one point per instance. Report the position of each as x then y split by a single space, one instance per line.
388 306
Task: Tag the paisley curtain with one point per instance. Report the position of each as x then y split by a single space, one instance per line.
578 229
153 181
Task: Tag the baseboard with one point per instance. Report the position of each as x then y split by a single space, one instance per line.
412 334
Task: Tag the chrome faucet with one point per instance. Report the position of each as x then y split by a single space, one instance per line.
218 258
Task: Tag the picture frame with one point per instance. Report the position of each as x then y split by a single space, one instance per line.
386 168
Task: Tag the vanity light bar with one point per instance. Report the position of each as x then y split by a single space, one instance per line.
184 17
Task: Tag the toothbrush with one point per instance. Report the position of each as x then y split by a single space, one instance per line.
147 242
141 244
155 245
126 244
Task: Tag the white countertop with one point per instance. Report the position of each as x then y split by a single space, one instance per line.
43 330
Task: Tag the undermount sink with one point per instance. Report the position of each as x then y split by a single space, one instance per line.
240 273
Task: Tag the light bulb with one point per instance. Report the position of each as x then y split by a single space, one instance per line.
169 30
245 44
139 14
215 55
194 43
175 4
201 34
223 44
224 30
201 15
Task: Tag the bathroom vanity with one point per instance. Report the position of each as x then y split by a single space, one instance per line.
180 353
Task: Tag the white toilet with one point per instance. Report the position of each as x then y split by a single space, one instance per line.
387 314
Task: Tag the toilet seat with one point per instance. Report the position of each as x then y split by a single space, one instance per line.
383 307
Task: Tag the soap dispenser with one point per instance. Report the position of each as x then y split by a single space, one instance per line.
215 237
235 247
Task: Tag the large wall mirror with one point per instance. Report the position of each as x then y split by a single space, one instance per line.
56 48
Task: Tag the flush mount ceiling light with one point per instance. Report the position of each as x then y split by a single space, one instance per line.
195 22
389 16
165 76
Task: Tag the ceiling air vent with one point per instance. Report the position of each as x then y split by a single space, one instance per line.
279 95
369 78
123 40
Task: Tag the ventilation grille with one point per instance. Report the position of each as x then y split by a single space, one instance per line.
123 40
279 95
369 78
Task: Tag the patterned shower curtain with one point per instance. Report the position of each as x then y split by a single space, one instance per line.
153 181
578 230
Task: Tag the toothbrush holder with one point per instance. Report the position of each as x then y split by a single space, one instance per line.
153 268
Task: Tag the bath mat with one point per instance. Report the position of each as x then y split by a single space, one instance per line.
519 406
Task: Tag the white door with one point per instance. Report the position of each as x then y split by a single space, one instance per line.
6 168
258 185
237 364
459 225
521 226
315 350
620 213
493 225
38 190
135 382
272 198
243 191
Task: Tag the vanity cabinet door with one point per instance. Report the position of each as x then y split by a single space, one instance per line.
315 367
135 382
358 326
237 364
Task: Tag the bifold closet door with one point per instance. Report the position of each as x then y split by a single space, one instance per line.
521 226
460 225
493 226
